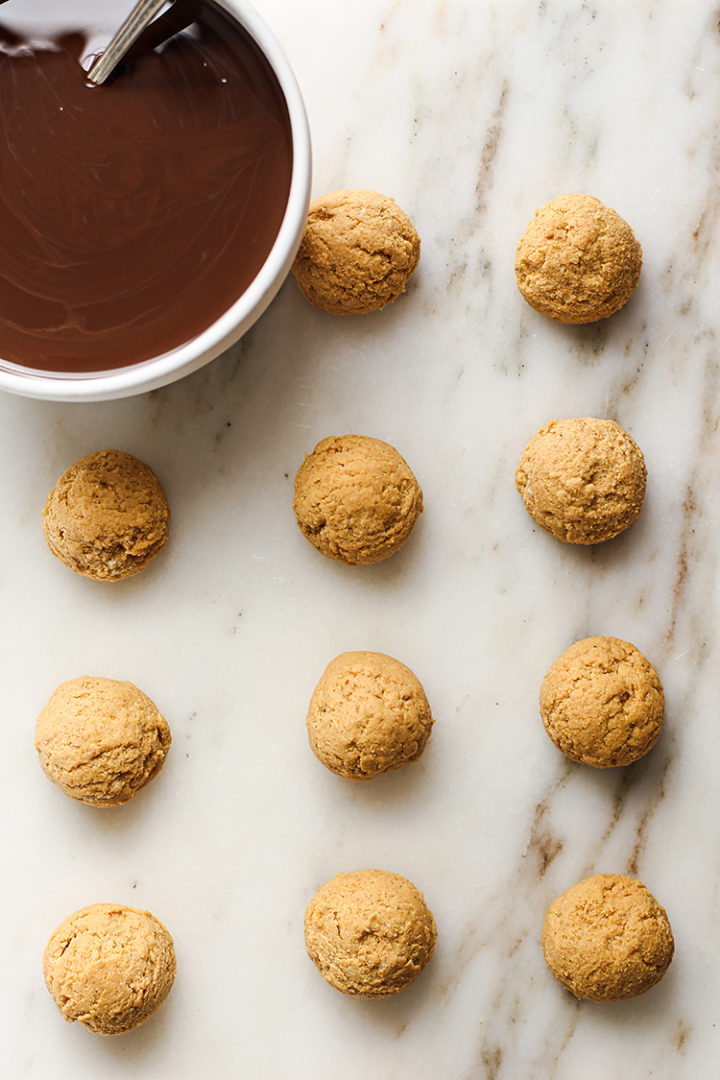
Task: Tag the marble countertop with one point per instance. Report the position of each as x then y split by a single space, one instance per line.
470 115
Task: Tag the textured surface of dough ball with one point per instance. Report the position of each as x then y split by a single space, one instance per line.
357 252
101 740
578 260
602 702
370 933
607 938
107 517
583 480
368 714
356 499
109 966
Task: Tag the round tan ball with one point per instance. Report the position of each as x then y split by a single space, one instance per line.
602 702
107 517
368 714
607 938
356 499
370 933
583 480
578 260
109 967
357 253
101 740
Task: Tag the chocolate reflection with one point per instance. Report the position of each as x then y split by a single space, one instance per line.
133 214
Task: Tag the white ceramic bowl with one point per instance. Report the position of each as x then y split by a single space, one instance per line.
160 370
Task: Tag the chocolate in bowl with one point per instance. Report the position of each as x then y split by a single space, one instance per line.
146 223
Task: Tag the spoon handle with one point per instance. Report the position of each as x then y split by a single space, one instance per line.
142 14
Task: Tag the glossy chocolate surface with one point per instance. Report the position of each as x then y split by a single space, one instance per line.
132 215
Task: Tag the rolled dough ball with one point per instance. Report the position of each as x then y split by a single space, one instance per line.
101 740
356 499
602 702
357 253
583 480
107 517
607 938
578 260
368 714
370 933
110 967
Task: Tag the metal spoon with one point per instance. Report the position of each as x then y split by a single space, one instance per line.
141 15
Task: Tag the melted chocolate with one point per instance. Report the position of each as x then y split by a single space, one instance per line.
132 215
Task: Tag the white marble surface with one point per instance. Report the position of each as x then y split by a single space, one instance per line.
471 115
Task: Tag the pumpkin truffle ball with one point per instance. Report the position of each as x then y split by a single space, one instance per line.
368 714
602 702
357 253
578 260
356 499
583 480
607 938
101 740
107 517
110 967
370 933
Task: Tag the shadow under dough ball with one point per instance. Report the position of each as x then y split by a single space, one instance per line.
583 479
369 933
607 938
578 261
602 702
368 714
357 253
107 517
109 967
101 740
356 499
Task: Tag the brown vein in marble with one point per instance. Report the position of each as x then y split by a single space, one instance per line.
629 779
618 804
704 233
491 1060
542 843
489 151
690 505
683 1030
490 1054
464 955
569 1032
631 382
641 829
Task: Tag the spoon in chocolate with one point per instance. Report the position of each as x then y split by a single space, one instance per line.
141 16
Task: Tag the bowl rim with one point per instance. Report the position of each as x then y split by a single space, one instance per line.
158 371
